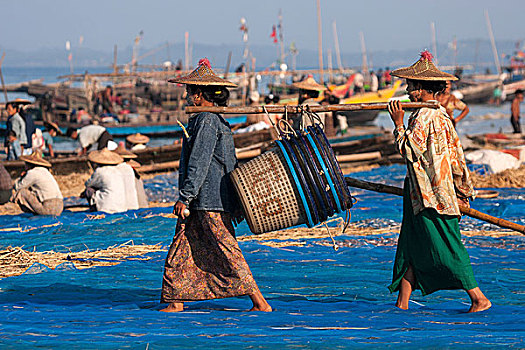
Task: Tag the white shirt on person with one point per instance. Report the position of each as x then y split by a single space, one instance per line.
40 181
110 192
130 194
89 135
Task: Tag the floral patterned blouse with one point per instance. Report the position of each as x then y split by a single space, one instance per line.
436 165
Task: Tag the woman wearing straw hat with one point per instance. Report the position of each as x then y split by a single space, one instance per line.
309 90
204 260
430 255
137 142
37 191
105 189
128 176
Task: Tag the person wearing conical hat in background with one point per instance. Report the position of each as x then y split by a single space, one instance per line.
430 255
128 176
6 185
136 142
52 130
105 190
37 191
309 90
204 260
14 123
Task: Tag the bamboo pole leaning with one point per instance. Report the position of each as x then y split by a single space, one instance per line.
298 109
372 186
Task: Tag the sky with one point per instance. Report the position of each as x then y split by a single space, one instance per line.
386 25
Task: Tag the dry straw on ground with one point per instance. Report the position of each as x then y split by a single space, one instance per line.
15 260
514 178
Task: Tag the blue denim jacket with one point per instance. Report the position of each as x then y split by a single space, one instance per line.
207 158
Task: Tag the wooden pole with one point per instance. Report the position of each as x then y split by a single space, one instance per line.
493 43
315 109
2 76
363 53
337 50
320 42
228 62
372 186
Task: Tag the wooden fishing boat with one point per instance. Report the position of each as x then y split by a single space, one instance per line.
477 93
252 144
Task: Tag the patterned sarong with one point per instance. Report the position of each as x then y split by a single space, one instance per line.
204 261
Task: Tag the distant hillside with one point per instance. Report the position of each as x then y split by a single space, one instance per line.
469 52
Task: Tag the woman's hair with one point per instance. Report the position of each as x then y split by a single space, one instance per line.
14 105
309 93
218 95
430 85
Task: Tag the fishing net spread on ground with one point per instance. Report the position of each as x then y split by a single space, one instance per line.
322 298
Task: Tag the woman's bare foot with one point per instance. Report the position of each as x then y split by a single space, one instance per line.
263 308
259 303
479 300
173 307
480 305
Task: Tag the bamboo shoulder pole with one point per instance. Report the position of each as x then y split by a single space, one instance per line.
298 109
372 186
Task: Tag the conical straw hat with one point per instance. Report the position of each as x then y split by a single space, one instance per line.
36 159
105 156
19 101
54 126
123 152
203 75
309 84
134 164
423 69
137 138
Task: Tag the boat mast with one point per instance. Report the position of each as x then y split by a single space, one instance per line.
434 42
363 51
493 43
337 51
320 42
186 51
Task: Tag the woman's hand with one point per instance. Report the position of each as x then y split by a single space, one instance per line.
178 209
464 202
396 112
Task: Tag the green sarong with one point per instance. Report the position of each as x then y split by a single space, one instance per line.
431 244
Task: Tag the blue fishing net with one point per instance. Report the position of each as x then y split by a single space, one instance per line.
323 299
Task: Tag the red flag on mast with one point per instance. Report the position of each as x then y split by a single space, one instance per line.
274 35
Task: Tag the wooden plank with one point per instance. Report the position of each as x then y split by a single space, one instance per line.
298 109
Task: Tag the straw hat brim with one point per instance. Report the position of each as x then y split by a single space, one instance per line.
134 164
204 81
137 138
19 101
55 127
36 161
125 154
105 157
303 85
432 74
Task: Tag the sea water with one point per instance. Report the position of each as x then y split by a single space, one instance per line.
322 299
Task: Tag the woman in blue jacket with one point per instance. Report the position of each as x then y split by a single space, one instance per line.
204 260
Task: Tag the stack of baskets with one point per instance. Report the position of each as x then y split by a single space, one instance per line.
298 182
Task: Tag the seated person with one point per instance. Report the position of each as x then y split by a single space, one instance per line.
129 159
6 185
105 190
136 142
128 176
91 135
37 191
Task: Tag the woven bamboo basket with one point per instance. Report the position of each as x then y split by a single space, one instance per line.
268 197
